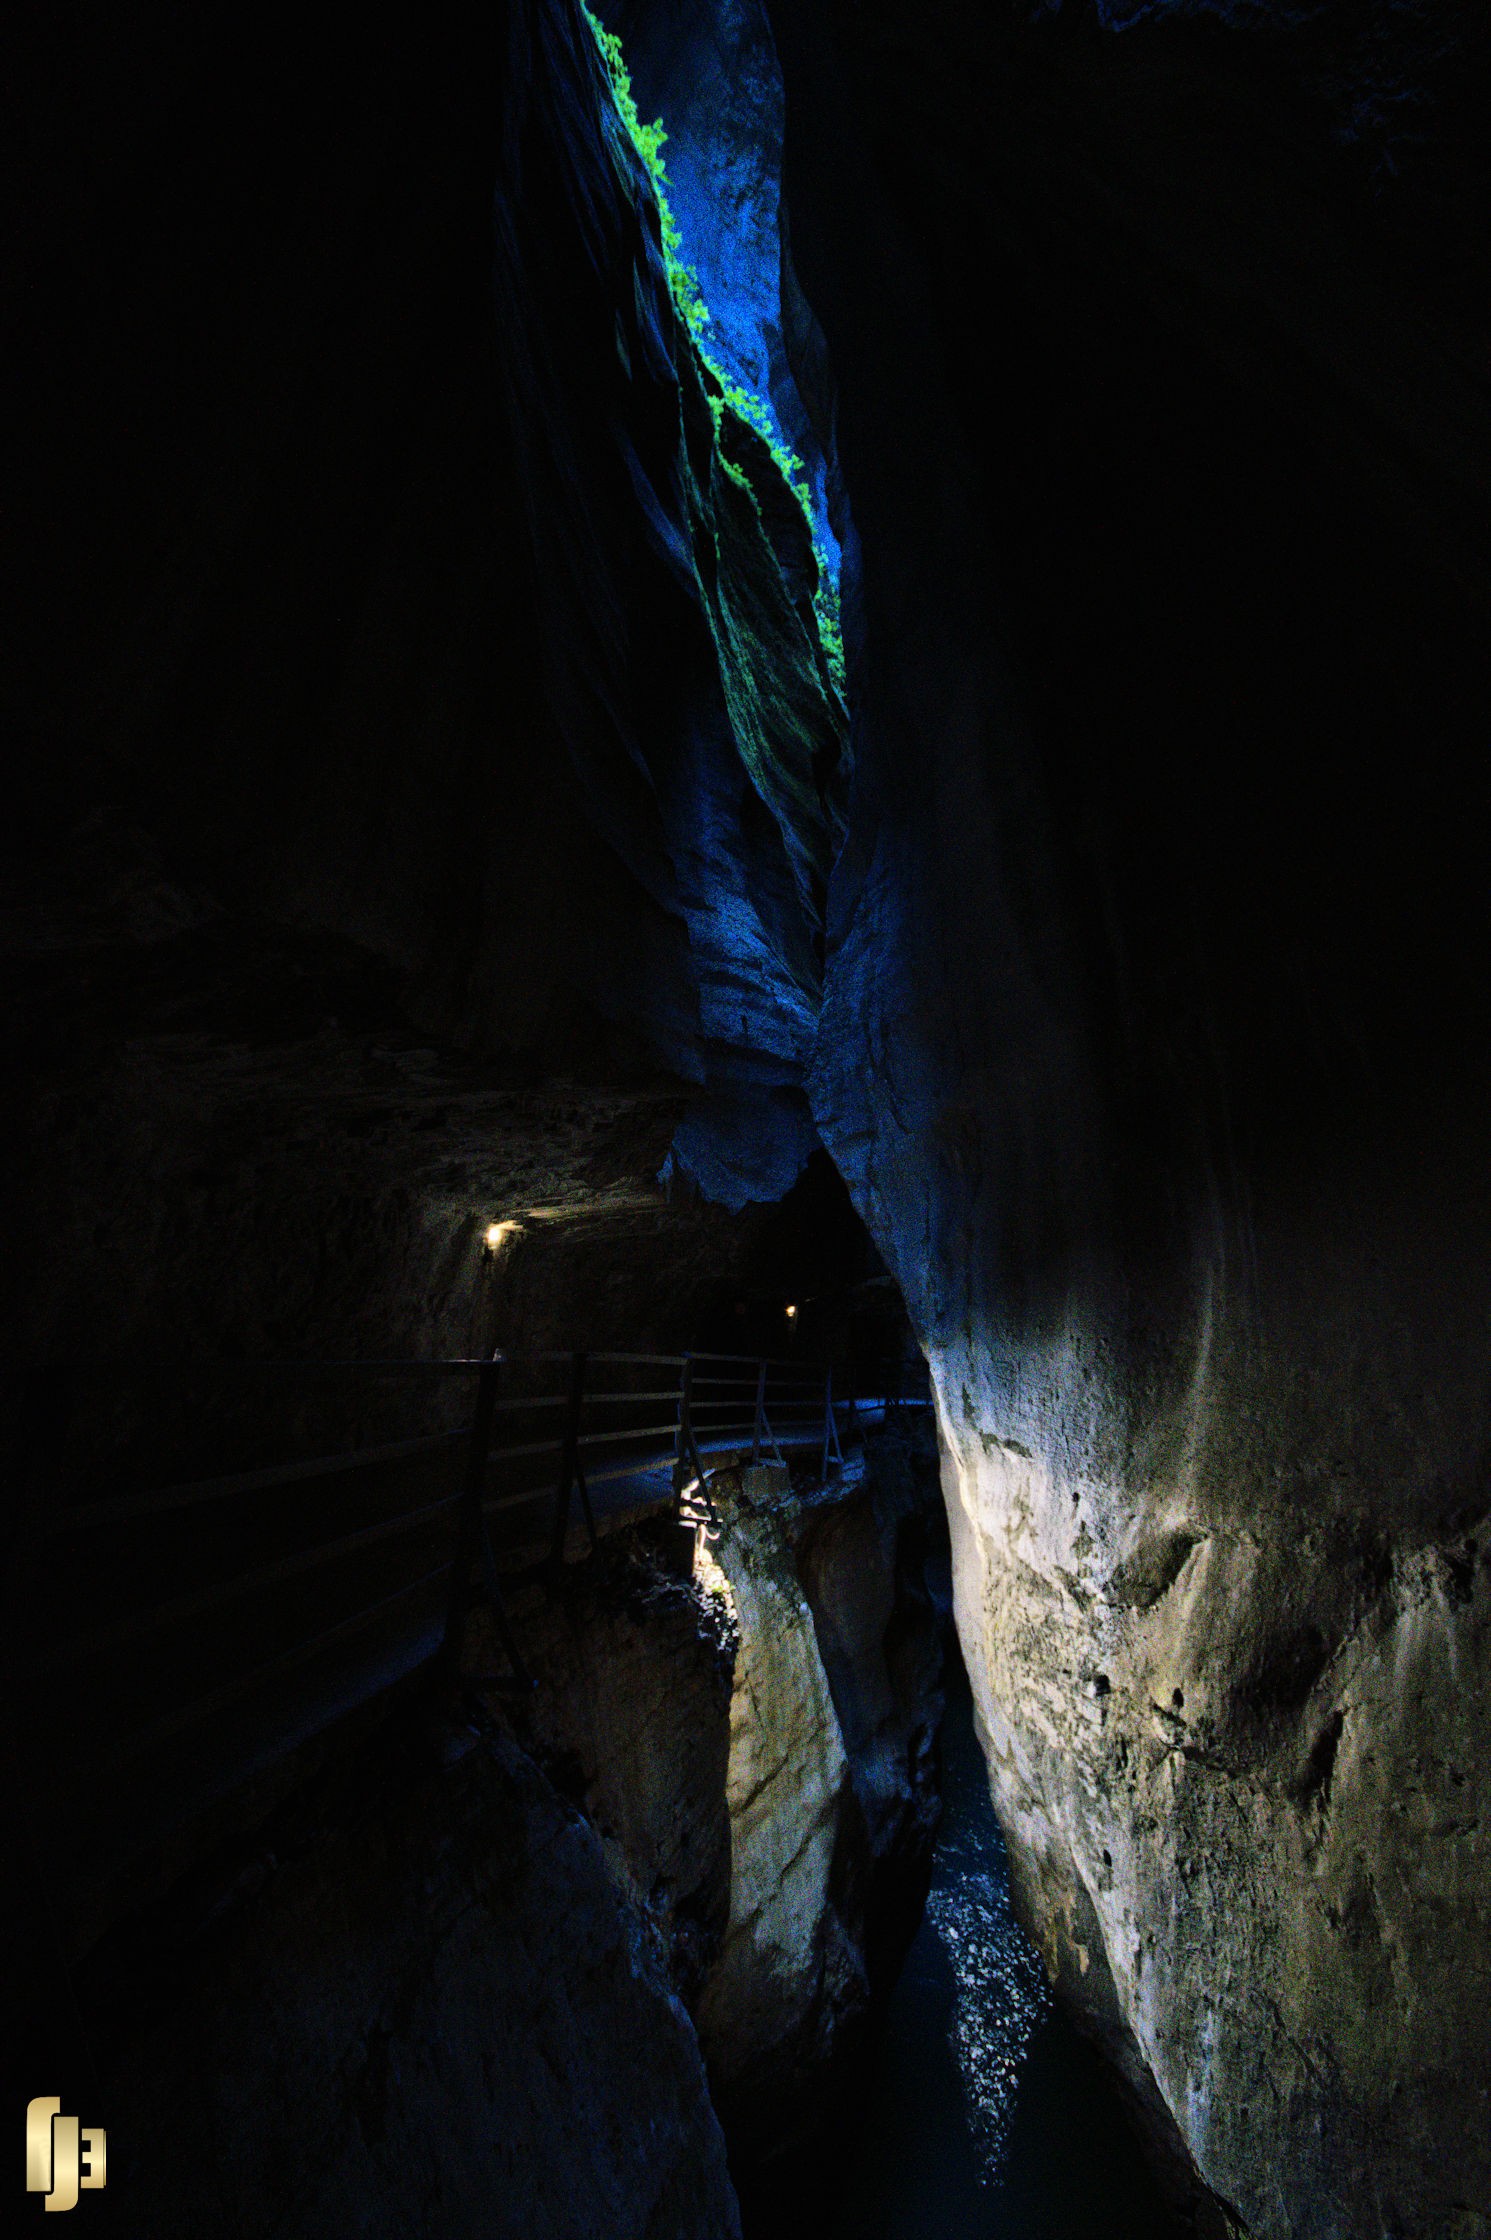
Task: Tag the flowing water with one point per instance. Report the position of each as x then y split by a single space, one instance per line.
982 2115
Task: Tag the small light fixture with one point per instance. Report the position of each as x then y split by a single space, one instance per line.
497 1235
792 1314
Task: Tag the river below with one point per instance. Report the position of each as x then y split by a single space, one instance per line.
981 2115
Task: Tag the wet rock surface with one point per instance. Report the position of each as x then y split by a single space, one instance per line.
979 2113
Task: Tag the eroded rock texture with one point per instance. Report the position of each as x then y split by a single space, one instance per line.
339 922
450 1976
1147 1042
756 1746
867 1554
790 1975
630 1718
424 815
831 1785
426 782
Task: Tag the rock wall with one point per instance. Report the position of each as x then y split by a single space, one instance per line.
432 2007
340 921
871 1557
757 1748
790 1975
832 1784
1146 1046
630 1719
453 1977
1132 960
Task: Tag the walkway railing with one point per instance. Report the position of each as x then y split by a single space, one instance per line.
173 1639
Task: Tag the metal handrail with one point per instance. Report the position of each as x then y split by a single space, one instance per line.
739 1405
437 1365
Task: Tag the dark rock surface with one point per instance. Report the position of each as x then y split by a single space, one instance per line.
424 816
338 922
437 2011
832 1785
368 882
630 1719
445 1980
756 1746
868 1554
676 576
1147 1044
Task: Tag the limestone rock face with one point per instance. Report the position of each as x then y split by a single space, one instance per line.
693 1723
756 1748
339 926
831 1787
442 2014
789 1971
630 1718
1145 1046
1243 1783
447 1978
863 1552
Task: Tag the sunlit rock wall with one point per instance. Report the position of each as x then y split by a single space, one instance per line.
708 69
1147 1045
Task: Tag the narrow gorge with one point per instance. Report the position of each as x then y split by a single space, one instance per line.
743 891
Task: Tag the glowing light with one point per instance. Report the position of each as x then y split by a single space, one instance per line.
712 1578
792 1314
497 1235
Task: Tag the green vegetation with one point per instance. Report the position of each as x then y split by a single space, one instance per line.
688 299
648 140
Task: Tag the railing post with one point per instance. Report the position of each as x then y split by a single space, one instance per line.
571 1471
760 1423
688 1466
579 1467
684 1437
830 1426
766 1419
473 1541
